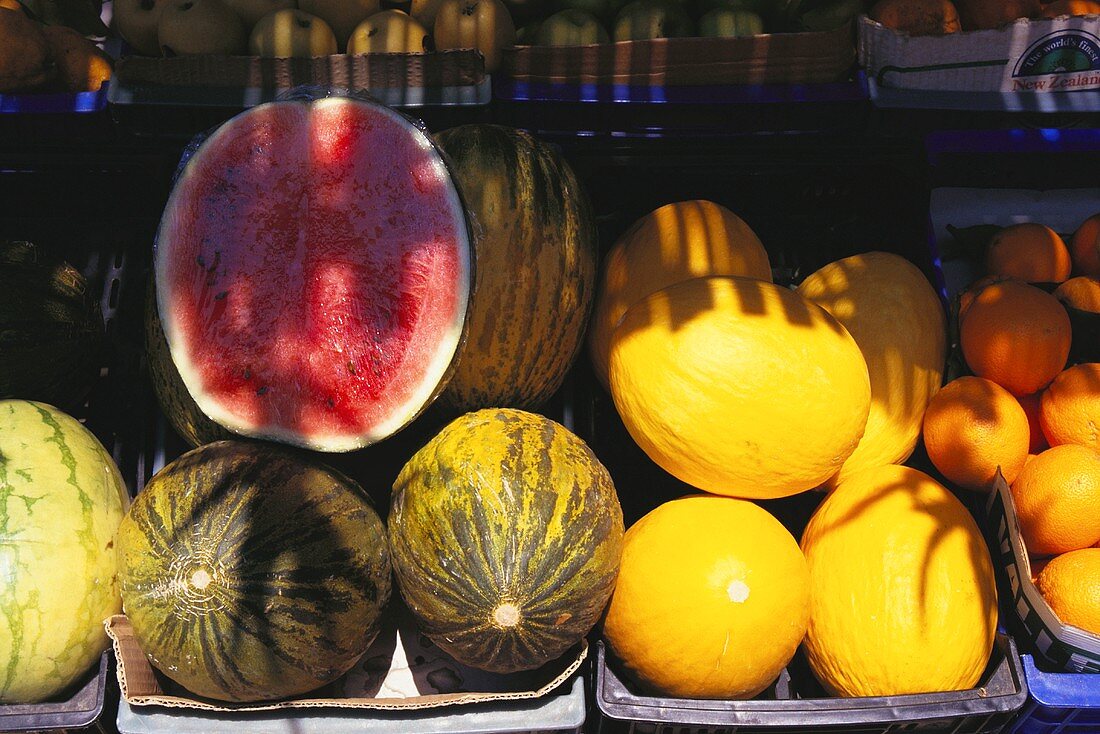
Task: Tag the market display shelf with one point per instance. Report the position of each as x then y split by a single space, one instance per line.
178 113
1058 703
618 111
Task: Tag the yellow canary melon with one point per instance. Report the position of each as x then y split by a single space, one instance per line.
739 387
903 598
896 318
680 241
712 599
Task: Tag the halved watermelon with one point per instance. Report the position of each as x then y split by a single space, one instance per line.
313 270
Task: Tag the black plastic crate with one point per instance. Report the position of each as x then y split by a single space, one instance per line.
604 112
795 703
78 708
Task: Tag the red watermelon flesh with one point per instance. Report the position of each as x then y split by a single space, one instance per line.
313 269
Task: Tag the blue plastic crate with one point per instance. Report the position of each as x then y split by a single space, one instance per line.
1059 703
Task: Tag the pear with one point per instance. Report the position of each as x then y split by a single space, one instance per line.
341 15
250 11
391 31
136 21
192 27
286 33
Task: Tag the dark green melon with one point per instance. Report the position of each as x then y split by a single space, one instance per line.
506 533
535 239
51 331
250 572
176 403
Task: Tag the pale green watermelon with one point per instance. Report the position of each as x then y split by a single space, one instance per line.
62 501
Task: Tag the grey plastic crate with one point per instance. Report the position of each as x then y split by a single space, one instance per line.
559 713
791 705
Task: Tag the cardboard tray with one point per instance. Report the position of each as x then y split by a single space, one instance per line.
1061 646
1028 56
563 713
402 670
780 58
82 708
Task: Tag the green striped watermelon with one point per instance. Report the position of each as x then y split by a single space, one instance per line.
506 533
536 267
250 572
62 501
50 328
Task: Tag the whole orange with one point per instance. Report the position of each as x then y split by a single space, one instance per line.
1029 252
712 599
967 297
1056 496
1070 584
973 427
1082 293
1085 247
1070 409
1016 335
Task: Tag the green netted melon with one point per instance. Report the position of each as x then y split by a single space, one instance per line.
250 572
506 534
536 267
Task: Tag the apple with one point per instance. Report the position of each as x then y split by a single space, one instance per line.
571 28
391 31
192 27
726 23
644 19
484 25
291 33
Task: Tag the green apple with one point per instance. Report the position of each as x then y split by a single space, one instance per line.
644 19
391 31
726 23
291 33
571 28
193 27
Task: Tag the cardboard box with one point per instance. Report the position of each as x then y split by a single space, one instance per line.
777 58
1028 56
403 79
402 670
1065 647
